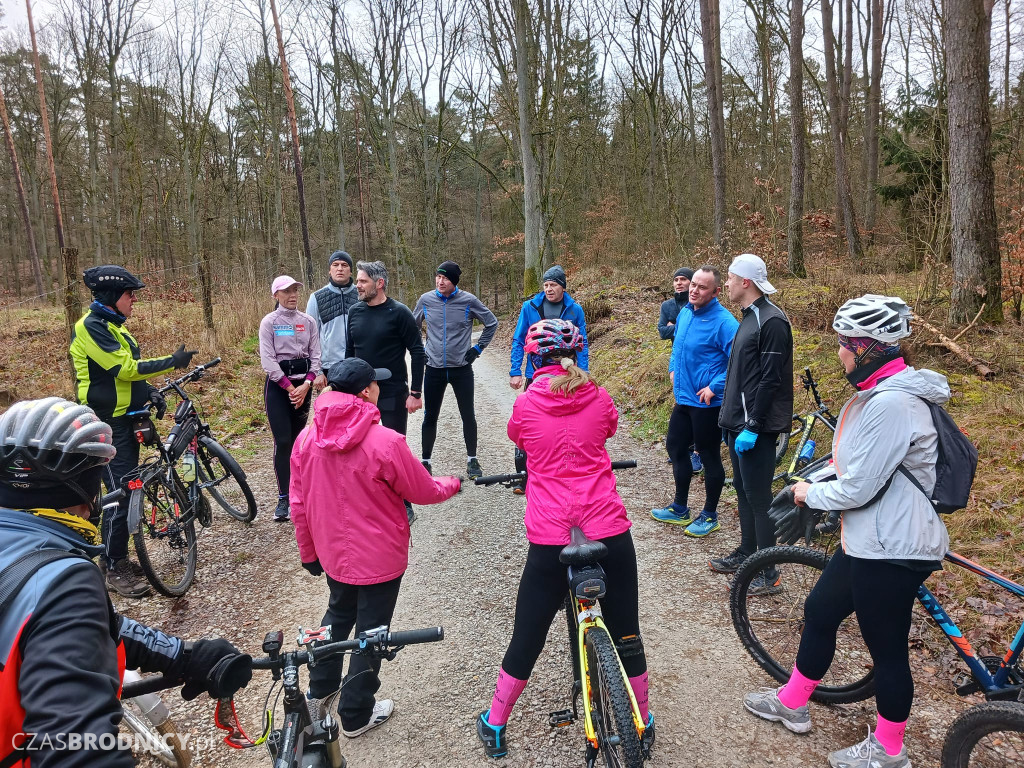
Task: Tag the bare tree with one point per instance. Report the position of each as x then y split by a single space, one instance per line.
795 233
33 254
711 30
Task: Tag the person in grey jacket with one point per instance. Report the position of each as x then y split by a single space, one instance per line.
448 313
329 307
892 537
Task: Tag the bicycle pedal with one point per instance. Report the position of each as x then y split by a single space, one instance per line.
561 718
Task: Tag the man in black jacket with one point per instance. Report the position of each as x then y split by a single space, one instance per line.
670 307
757 405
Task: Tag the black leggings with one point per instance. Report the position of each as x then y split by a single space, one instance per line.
698 427
752 473
543 588
435 381
882 594
285 424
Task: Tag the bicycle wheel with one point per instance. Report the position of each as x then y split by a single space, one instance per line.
221 476
613 714
158 741
770 625
165 540
989 735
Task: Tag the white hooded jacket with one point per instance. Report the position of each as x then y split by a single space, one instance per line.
879 429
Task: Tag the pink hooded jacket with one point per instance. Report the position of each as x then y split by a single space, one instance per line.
349 476
570 479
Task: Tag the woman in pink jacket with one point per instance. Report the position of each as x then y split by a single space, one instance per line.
562 422
349 477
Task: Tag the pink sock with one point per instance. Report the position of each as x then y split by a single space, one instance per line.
506 692
890 734
798 690
639 686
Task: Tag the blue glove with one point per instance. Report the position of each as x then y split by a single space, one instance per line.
745 441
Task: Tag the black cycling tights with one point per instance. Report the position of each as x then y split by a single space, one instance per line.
543 588
435 381
882 594
689 425
285 424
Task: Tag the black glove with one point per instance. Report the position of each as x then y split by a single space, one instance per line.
314 568
157 398
181 358
472 355
216 667
791 521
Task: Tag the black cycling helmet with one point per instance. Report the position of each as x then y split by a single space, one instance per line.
108 281
52 453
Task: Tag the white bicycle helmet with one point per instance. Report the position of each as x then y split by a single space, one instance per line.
885 319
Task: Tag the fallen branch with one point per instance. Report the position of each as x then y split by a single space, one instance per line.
970 324
983 370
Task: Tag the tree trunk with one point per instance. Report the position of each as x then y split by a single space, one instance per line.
33 254
977 271
339 135
533 227
872 119
795 234
710 24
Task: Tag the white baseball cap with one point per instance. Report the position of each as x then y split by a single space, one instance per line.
283 282
752 268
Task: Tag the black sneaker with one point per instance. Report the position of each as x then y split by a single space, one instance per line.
765 583
473 470
493 736
283 512
728 564
426 465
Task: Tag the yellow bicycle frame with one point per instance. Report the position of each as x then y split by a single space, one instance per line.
589 619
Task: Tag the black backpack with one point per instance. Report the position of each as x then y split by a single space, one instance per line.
955 465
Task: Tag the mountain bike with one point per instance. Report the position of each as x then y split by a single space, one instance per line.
804 445
989 735
147 716
300 741
167 490
769 626
612 721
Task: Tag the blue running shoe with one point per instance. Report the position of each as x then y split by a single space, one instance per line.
703 525
493 736
673 515
695 462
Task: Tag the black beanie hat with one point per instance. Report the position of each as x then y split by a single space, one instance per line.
54 496
451 270
683 272
556 274
339 256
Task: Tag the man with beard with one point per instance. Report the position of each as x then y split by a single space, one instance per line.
329 307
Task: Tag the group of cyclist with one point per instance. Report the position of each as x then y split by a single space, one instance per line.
348 476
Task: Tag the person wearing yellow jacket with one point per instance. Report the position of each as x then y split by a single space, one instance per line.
110 377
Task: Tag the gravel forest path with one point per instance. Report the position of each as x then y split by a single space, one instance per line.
466 558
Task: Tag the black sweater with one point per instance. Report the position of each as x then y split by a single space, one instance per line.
381 335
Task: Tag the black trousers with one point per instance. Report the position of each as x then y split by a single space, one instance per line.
362 607
752 473
285 424
882 595
543 588
435 382
689 425
114 525
393 415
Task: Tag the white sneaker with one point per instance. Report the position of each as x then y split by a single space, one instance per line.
381 712
868 754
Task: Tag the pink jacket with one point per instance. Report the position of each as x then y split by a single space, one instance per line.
570 480
349 476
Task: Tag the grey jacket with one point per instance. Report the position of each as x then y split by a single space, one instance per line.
449 322
879 429
329 307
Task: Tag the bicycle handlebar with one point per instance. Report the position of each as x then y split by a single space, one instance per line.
499 479
195 373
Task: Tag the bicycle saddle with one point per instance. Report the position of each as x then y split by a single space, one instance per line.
582 551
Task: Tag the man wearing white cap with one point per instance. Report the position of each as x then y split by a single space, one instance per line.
757 405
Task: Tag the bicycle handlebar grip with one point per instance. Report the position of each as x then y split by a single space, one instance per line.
215 361
148 685
492 479
413 636
630 464
112 497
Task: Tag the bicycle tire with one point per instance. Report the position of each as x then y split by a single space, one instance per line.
967 744
162 741
610 703
164 543
770 626
231 491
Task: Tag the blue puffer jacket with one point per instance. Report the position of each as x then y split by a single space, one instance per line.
700 352
530 314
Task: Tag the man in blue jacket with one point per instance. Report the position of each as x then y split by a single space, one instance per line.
551 303
697 367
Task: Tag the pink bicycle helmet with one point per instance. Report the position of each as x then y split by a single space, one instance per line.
547 336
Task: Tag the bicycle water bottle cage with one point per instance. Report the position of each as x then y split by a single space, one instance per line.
318 635
587 582
582 551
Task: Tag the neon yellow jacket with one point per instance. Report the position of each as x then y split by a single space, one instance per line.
110 376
